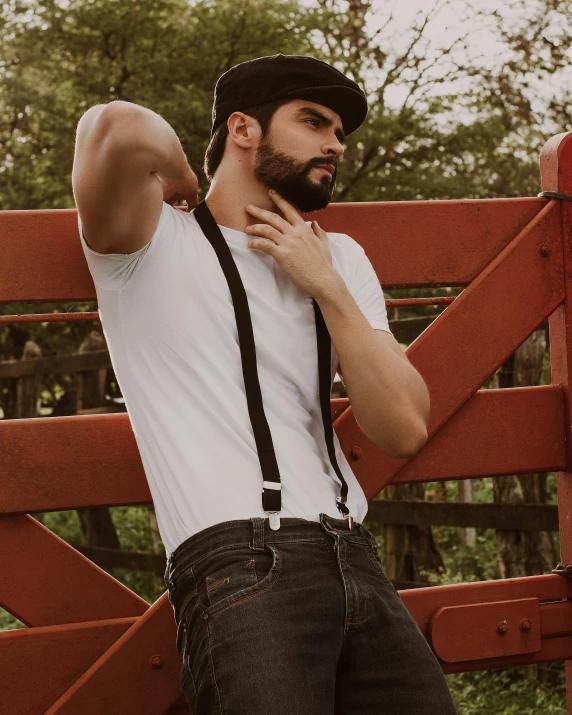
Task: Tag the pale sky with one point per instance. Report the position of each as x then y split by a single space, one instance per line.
449 22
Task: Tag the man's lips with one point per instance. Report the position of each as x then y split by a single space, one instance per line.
329 168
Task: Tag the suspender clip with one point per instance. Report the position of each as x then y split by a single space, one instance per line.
271 502
273 520
341 504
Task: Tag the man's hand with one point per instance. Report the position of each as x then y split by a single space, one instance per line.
184 188
301 251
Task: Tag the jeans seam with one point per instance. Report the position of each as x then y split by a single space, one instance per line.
212 668
190 673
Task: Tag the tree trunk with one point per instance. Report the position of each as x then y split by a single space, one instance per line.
465 496
409 550
28 386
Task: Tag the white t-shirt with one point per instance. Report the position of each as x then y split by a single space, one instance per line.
168 319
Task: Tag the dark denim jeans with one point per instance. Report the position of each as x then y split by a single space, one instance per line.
299 621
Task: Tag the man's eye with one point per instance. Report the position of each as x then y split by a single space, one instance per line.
313 120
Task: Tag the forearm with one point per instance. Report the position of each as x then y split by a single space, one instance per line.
387 394
136 128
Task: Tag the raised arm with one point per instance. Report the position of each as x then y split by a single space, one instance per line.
127 161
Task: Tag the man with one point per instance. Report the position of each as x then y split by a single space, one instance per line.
226 324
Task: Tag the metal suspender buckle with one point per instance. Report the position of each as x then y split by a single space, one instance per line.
273 518
345 511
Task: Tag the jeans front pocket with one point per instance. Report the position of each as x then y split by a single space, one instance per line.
229 580
234 574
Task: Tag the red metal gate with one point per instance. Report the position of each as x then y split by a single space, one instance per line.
92 646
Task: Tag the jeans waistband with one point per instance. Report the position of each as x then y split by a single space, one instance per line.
256 532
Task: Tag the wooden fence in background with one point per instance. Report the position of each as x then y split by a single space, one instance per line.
88 372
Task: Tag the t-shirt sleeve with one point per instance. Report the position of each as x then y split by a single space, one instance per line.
366 290
112 270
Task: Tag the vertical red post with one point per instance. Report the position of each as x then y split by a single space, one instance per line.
556 173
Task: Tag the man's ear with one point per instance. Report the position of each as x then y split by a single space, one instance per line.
243 130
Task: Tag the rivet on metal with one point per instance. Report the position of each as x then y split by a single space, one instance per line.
525 625
544 249
156 661
356 453
502 628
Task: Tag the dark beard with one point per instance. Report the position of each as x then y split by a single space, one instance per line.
291 180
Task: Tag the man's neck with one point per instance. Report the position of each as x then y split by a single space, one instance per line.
227 199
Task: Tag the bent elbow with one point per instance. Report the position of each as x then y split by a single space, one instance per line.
413 446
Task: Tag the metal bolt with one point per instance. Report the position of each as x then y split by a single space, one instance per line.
525 625
544 249
502 628
356 453
156 661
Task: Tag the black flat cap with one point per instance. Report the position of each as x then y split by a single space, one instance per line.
266 79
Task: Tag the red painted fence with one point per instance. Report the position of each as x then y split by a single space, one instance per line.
92 646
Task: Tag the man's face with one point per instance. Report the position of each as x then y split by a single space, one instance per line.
297 143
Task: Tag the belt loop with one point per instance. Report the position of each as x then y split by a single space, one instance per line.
257 533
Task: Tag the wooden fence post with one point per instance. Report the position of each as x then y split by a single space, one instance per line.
556 174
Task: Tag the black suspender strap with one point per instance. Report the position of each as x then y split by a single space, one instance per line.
324 374
271 484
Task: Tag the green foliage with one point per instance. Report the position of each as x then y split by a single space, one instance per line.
58 61
506 692
132 526
65 524
464 565
8 622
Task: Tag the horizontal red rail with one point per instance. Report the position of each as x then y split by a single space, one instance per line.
410 243
48 317
509 431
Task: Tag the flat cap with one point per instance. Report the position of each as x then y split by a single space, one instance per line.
266 79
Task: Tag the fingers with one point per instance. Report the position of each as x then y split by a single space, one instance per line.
271 218
265 231
318 230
